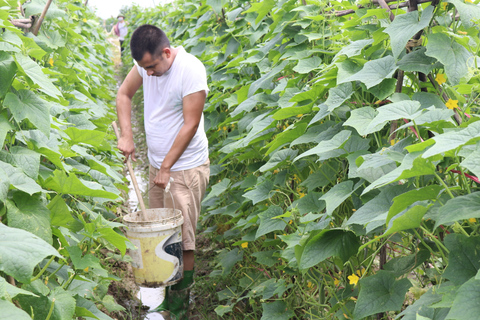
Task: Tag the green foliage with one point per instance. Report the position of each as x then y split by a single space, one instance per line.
58 168
330 150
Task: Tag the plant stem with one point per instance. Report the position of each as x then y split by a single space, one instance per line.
43 270
50 312
444 184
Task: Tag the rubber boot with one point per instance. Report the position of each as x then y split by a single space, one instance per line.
175 304
179 297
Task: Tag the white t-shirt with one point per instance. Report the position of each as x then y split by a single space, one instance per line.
122 28
163 111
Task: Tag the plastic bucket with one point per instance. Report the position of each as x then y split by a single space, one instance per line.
158 259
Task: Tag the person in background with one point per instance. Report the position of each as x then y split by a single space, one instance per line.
175 89
120 29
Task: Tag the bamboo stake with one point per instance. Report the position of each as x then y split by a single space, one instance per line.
37 26
132 176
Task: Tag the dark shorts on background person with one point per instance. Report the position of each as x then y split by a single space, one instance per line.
188 190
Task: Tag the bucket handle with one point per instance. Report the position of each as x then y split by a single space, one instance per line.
167 190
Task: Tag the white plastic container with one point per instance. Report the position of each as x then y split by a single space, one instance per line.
158 259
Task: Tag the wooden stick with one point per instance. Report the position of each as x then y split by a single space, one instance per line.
132 176
385 6
36 28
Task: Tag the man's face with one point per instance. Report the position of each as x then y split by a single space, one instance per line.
155 65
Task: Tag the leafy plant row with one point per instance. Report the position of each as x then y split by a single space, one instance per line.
59 173
345 155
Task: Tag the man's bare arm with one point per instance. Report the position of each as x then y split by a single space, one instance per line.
192 113
130 85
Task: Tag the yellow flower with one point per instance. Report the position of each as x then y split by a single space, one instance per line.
86 269
336 282
361 272
299 115
452 104
84 20
301 194
353 279
393 142
50 62
309 284
470 1
245 245
224 128
444 5
440 78
472 220
462 32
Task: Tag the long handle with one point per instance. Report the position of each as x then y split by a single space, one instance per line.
132 176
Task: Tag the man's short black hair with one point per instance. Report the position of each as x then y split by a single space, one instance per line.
148 38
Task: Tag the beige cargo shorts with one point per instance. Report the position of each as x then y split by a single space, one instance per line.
188 190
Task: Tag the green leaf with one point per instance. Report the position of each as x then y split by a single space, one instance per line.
51 38
277 310
30 214
285 137
21 251
114 238
384 89
27 105
8 68
279 158
261 8
361 118
405 264
265 257
63 305
412 166
20 180
307 65
228 259
354 48
309 203
469 13
70 184
222 310
218 189
261 192
4 184
326 146
266 80
92 137
380 293
36 7
288 112
459 208
377 208
81 261
452 55
453 139
268 223
339 243
463 259
10 311
35 73
335 196
411 219
5 126
418 61
465 305
59 212
403 201
405 26
23 158
7 291
338 95
472 162
87 308
374 72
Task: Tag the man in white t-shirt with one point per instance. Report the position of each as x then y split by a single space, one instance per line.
175 88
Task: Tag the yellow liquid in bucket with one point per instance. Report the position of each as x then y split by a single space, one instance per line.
158 260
